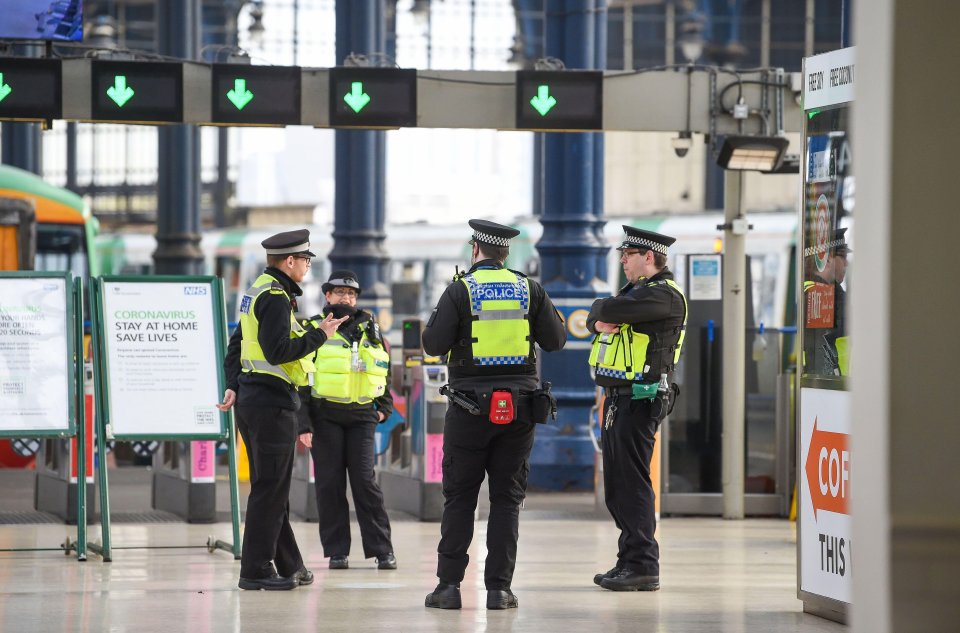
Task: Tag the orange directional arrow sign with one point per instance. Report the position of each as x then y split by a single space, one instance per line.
828 471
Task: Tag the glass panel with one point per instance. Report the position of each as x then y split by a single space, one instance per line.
827 240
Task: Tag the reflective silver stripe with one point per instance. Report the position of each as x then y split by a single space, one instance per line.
501 315
262 365
295 326
253 291
335 341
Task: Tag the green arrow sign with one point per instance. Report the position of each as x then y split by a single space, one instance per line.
543 102
5 89
240 96
120 92
357 99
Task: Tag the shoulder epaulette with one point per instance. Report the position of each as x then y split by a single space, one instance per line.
517 273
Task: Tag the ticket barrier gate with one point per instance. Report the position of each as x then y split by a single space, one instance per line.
55 491
303 497
184 480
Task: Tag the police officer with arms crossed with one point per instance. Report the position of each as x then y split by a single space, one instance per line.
639 334
349 397
267 360
488 320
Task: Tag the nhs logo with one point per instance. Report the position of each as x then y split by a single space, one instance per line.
194 290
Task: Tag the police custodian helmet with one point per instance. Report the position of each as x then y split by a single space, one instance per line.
487 232
289 243
647 240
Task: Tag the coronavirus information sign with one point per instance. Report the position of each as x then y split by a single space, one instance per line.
36 369
163 349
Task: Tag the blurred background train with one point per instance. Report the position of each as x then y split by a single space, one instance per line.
424 257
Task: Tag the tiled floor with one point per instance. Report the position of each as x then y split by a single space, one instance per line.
717 576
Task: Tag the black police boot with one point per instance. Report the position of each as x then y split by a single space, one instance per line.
339 562
501 599
445 596
303 576
387 561
627 580
598 578
276 582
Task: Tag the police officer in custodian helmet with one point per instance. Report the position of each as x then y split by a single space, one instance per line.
488 321
349 397
267 360
639 334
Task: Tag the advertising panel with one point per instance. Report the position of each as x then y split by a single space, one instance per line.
35 356
823 506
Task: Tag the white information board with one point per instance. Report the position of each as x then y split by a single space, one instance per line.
705 277
162 358
36 371
826 557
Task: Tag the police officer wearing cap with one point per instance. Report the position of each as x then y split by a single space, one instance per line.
488 321
267 359
349 397
639 333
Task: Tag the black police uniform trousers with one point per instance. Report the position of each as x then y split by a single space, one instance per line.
472 446
270 436
344 446
627 450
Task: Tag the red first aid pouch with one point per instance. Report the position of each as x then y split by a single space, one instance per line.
502 410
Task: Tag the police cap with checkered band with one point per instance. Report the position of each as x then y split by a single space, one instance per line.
646 240
289 243
487 232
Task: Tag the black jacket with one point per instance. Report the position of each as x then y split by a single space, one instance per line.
654 309
448 331
352 329
273 313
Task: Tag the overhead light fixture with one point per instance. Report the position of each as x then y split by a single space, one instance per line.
752 153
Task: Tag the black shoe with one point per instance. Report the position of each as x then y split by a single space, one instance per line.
270 583
339 562
387 561
501 599
598 578
445 596
627 580
303 576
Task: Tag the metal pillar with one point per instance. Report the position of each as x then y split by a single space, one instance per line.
572 253
734 336
21 145
359 211
178 182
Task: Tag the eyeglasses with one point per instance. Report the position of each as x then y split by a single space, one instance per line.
309 260
627 253
344 292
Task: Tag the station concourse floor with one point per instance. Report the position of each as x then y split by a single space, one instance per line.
717 577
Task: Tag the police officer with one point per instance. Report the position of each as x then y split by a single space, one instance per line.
349 397
639 334
825 349
267 360
488 320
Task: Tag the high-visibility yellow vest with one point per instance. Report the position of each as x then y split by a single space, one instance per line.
623 354
350 371
499 303
252 360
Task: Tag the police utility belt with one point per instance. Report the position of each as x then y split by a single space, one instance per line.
503 405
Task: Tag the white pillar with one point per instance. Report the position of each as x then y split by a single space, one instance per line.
734 338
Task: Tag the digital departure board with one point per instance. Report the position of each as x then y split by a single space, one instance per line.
137 92
559 100
30 89
256 95
373 97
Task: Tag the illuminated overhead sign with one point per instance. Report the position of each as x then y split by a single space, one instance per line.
256 95
559 100
30 89
137 92
373 97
